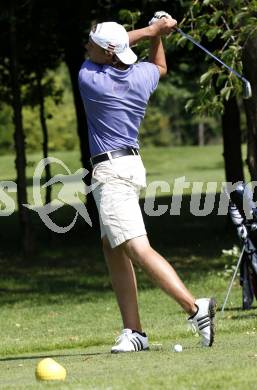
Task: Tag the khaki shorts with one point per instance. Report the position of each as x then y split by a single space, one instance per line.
118 183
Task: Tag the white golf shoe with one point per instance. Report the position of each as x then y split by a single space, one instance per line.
130 341
203 320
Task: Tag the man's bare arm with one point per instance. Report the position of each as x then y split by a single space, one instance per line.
157 55
154 32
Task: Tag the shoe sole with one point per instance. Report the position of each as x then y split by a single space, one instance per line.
212 312
141 350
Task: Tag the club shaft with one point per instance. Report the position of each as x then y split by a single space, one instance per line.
210 54
232 281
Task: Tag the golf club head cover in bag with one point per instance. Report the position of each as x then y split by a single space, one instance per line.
237 220
236 217
242 209
242 197
158 15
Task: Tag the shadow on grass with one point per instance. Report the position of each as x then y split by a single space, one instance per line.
73 264
234 308
34 357
244 314
218 165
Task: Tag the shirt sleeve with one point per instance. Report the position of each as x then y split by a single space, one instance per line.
153 75
86 72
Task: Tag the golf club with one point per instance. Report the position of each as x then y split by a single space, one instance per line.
247 90
232 280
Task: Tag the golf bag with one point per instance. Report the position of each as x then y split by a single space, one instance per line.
243 214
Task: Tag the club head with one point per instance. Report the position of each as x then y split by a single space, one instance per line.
247 89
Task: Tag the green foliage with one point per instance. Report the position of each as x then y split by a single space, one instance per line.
6 128
155 129
53 84
167 120
60 115
227 27
129 18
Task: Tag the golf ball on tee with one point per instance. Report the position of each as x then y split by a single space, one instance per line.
178 348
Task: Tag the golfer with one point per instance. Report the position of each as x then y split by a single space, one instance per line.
115 91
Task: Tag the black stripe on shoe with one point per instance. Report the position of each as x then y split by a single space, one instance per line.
137 343
140 342
204 326
134 343
204 322
203 318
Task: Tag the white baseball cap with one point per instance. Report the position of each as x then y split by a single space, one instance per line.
113 37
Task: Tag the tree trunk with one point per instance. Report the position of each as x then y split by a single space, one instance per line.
249 65
44 131
74 61
80 113
201 129
232 141
19 138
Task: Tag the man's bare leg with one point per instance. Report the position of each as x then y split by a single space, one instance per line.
140 252
124 284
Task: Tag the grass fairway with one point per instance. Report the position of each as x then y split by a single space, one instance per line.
60 303
95 368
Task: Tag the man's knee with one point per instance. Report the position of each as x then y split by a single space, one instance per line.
137 248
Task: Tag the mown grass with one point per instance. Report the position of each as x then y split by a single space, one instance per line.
61 304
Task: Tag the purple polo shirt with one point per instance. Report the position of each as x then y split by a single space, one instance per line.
115 103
